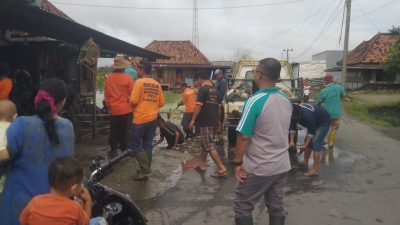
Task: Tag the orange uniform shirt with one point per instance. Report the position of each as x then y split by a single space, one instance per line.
116 93
5 88
189 99
54 210
147 98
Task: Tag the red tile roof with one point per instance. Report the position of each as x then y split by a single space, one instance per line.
181 52
48 7
373 51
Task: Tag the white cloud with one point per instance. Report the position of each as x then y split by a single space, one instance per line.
262 30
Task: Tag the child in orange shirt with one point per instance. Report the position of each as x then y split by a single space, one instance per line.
66 182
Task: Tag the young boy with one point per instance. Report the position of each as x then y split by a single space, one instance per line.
8 112
66 182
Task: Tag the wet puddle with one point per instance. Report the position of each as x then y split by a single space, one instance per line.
331 173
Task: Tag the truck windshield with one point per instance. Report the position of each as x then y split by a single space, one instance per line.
249 75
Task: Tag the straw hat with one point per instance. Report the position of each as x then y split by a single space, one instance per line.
120 63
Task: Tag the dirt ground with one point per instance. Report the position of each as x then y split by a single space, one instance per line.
167 167
360 187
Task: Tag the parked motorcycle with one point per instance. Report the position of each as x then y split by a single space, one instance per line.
115 207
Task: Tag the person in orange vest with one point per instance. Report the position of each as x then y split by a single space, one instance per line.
116 96
5 82
189 100
147 98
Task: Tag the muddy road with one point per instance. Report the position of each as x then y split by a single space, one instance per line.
362 186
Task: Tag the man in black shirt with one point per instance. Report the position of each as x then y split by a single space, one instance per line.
205 116
171 132
222 87
317 121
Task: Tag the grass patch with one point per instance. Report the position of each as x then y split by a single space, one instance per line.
383 114
169 111
172 97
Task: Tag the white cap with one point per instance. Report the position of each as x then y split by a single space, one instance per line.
218 71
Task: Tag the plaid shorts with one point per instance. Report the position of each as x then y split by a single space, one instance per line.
207 135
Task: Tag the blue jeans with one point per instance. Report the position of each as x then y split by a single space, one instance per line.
142 136
98 221
317 143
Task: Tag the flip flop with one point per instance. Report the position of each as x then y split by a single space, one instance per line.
217 174
200 170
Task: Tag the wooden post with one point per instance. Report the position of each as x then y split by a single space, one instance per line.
346 44
94 105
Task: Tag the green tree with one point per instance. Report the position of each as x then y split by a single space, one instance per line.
392 62
101 77
394 30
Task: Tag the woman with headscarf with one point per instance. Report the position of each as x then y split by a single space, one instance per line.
32 142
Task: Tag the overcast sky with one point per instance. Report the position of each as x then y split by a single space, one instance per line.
307 26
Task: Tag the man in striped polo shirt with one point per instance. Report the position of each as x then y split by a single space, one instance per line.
261 159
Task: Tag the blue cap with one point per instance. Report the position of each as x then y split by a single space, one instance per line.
131 72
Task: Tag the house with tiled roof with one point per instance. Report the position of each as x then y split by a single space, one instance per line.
364 62
185 60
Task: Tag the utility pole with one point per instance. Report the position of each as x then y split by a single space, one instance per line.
195 26
346 44
287 53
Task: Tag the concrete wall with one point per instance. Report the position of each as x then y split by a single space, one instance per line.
331 57
313 69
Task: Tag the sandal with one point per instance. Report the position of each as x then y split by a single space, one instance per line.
219 174
302 165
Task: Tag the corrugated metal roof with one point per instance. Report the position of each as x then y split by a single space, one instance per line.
40 22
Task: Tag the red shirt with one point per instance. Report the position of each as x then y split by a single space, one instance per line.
53 209
116 93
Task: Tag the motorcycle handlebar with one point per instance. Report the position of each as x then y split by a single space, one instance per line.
107 164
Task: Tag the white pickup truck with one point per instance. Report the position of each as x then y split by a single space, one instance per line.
241 86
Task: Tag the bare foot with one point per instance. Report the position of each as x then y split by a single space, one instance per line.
311 173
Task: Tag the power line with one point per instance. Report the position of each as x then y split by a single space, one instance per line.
358 17
366 15
179 8
326 26
376 9
318 18
301 32
283 32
